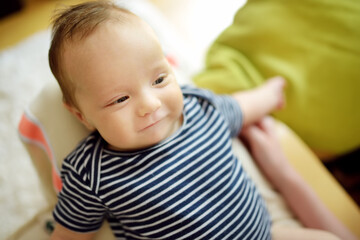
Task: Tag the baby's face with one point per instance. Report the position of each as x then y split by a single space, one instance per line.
125 87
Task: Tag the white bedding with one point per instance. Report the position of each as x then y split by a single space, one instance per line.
23 71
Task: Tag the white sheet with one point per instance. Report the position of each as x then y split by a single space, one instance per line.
23 71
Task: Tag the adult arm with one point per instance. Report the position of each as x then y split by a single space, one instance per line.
302 200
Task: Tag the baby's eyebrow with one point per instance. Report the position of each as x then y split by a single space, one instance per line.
160 64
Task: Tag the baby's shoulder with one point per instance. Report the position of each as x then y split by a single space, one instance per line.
80 159
191 91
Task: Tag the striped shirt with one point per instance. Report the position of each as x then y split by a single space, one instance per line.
189 186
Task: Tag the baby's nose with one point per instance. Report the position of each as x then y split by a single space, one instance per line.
148 105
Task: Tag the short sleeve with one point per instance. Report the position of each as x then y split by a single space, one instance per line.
225 104
231 111
78 208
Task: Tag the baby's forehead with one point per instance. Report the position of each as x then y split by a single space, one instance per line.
105 30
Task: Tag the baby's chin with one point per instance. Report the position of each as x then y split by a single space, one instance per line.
136 146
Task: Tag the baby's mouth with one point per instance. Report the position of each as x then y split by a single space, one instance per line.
150 125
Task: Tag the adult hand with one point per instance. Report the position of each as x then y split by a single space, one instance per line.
265 148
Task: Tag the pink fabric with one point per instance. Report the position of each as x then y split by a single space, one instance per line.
30 131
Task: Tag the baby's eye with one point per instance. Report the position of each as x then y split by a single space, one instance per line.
122 99
158 81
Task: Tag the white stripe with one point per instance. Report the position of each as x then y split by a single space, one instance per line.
236 171
81 168
69 186
210 221
199 207
83 229
111 160
244 197
81 156
255 223
248 209
94 179
190 196
195 182
86 217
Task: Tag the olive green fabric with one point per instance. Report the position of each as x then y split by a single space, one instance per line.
315 45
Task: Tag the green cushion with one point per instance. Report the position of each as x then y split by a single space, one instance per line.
315 45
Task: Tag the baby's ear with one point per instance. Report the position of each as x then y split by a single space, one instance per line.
79 115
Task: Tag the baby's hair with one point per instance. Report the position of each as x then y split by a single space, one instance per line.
75 23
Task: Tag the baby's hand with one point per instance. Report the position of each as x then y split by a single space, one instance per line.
275 88
258 102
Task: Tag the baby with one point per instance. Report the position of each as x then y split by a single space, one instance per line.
159 163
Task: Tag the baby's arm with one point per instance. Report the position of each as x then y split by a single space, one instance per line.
258 102
62 233
267 152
